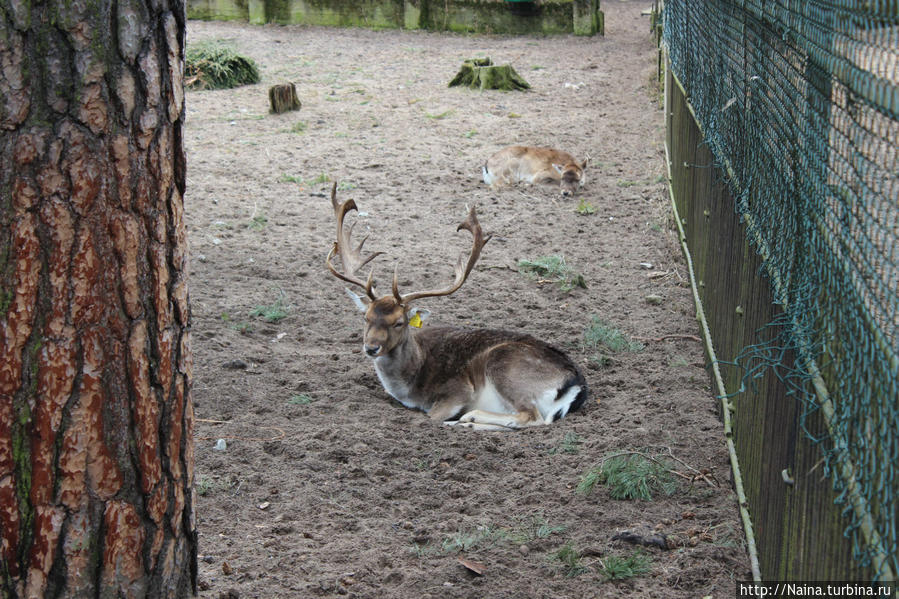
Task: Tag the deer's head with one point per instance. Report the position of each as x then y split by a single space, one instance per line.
572 175
388 317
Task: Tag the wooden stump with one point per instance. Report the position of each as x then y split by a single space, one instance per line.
481 73
283 97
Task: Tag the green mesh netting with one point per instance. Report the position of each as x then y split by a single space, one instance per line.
799 103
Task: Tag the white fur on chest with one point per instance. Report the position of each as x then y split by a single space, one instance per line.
395 387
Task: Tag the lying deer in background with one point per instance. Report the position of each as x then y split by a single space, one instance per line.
482 378
528 164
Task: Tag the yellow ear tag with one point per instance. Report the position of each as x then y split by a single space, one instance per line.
415 321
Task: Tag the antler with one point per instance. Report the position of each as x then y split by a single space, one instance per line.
351 258
472 225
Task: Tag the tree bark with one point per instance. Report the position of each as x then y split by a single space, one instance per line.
283 98
96 453
481 73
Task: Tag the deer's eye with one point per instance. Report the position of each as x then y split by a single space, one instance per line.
398 324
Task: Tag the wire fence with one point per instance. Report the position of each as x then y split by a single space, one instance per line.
799 103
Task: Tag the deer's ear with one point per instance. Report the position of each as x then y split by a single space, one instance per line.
584 163
360 301
559 169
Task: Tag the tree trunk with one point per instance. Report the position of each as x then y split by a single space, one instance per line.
481 73
283 97
96 452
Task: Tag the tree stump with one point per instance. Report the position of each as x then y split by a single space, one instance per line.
283 97
481 73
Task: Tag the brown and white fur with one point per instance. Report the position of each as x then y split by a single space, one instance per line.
528 164
486 379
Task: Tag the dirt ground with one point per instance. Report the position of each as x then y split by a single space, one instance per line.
329 487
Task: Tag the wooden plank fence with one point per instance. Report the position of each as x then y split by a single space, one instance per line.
798 527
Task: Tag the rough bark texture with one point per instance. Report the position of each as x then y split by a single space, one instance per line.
283 97
96 456
481 73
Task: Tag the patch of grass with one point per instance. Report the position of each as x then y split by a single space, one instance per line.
346 186
203 485
469 134
428 462
275 312
514 115
322 178
300 400
625 183
570 443
537 67
484 536
600 360
600 333
213 64
272 313
299 127
467 540
584 208
532 529
206 485
679 362
463 541
298 179
258 222
617 567
569 560
241 327
630 476
439 116
552 269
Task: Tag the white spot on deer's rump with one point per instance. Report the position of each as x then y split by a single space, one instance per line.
551 403
488 178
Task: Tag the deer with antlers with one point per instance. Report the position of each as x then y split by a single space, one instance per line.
485 379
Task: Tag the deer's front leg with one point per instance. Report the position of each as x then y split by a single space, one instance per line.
445 409
501 182
492 421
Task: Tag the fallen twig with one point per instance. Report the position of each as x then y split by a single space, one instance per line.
665 337
698 473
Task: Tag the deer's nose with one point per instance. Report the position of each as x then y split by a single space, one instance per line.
566 192
372 350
